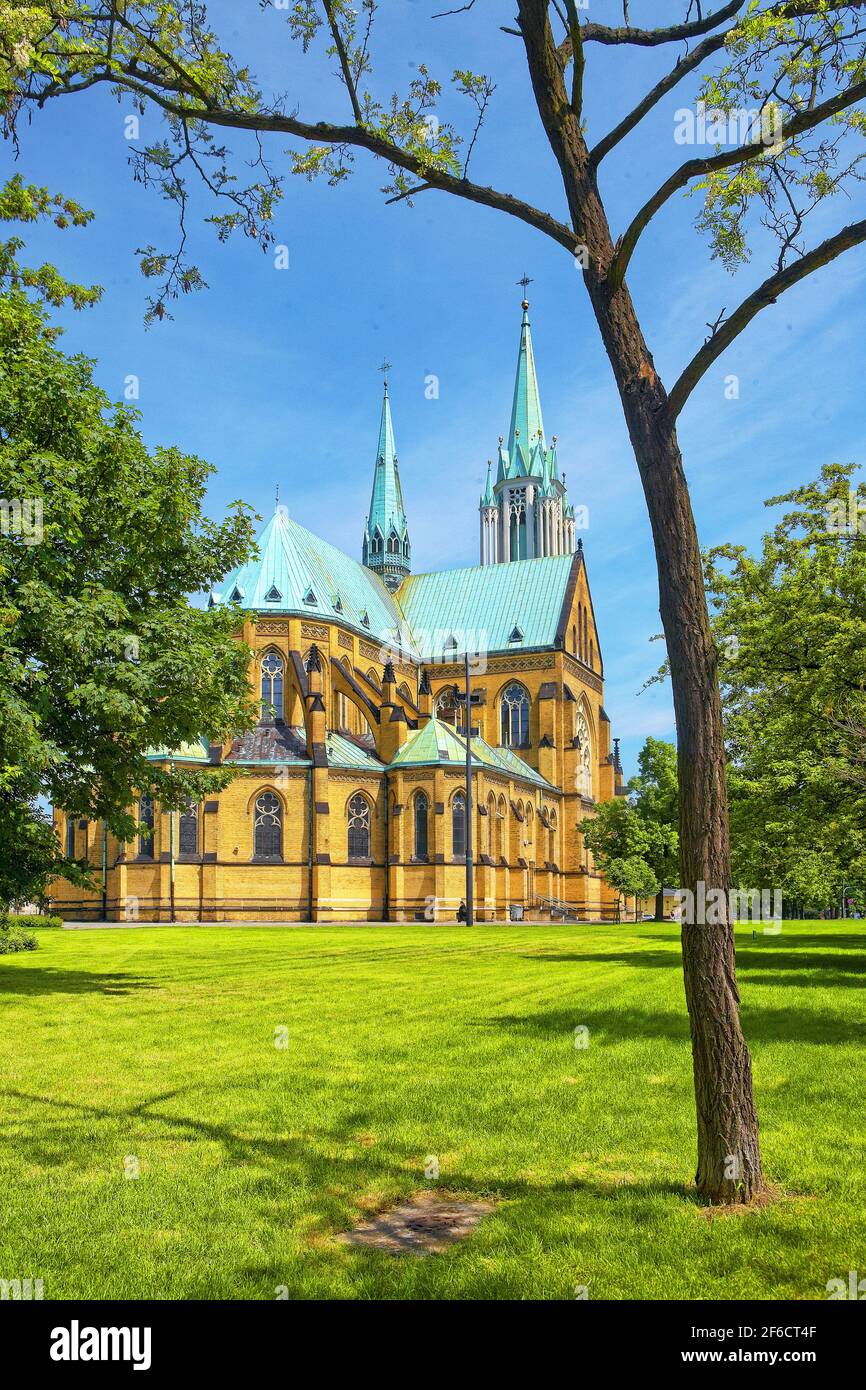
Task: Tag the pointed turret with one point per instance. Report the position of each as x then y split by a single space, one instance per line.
487 498
385 548
489 516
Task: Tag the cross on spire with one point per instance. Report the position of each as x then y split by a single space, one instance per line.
525 281
384 369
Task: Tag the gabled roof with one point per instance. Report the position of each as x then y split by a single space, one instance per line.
269 743
438 743
487 603
301 566
272 744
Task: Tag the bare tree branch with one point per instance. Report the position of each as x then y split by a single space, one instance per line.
767 293
324 133
742 154
579 59
343 56
652 38
682 69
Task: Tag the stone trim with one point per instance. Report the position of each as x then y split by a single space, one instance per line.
584 673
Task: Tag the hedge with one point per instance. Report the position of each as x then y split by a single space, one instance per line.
33 921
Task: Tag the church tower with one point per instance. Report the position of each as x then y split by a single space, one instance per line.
526 512
386 549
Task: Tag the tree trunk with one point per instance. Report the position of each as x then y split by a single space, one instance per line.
729 1164
660 904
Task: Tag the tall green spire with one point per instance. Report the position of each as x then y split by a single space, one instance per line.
386 549
527 426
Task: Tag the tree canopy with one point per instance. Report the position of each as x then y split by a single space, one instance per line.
654 794
102 654
622 844
791 627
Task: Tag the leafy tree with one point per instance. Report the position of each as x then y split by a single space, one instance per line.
801 63
654 794
624 846
791 627
102 656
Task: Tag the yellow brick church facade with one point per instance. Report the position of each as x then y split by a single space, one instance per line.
348 800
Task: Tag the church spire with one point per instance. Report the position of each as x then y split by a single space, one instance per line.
527 426
386 549
526 514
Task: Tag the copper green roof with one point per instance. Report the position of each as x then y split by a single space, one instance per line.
297 572
345 752
437 743
487 606
196 751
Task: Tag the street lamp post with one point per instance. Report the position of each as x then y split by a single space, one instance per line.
467 695
467 700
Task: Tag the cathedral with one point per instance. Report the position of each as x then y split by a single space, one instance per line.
349 798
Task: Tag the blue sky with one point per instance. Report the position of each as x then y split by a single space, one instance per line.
272 375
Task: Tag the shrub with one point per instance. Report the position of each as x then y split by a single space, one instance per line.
14 938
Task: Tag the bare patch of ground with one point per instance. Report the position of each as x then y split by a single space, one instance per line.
425 1224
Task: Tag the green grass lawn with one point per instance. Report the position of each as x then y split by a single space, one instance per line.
158 1044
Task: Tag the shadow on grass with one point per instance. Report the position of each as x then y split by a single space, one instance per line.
828 966
794 1024
332 1179
45 980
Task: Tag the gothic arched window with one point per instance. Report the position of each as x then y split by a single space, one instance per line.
514 716
358 812
70 837
268 827
501 810
447 708
421 808
583 742
145 833
272 686
458 826
187 841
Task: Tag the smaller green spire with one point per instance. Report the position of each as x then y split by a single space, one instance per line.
488 499
385 548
